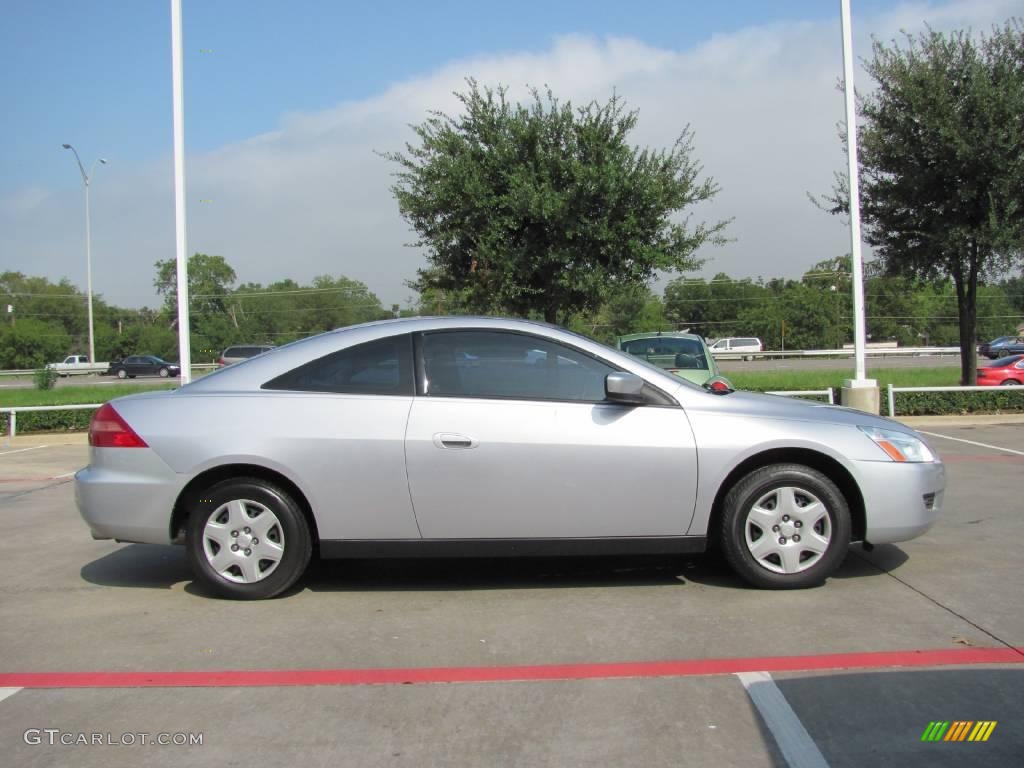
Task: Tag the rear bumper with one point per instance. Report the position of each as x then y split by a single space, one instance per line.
901 501
128 494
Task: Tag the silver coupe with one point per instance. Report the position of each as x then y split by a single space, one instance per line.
487 437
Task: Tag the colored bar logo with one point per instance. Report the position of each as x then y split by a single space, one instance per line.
958 730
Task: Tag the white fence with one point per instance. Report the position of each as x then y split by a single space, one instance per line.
893 390
12 412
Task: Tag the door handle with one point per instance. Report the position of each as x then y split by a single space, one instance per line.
453 440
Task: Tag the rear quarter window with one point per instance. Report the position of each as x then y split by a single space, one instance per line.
380 367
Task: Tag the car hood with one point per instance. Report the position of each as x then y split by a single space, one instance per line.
759 405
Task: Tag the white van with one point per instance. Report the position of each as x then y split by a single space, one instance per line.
741 345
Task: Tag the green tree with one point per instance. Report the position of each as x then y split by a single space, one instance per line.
712 307
941 167
545 208
31 343
633 309
209 284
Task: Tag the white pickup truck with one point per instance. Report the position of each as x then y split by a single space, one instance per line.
77 364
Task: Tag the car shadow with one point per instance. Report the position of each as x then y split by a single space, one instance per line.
153 566
882 560
145 566
444 574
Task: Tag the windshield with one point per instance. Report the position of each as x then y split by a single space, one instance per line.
672 352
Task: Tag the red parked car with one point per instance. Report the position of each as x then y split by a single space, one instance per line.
1006 371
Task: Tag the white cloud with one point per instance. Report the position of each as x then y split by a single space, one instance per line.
312 197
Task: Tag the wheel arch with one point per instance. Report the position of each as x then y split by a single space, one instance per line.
213 475
824 463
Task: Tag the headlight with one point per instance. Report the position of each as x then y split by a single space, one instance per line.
899 446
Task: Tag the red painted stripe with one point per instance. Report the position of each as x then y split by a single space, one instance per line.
680 668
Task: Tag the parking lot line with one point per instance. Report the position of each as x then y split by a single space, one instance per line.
420 675
795 743
973 442
22 450
6 693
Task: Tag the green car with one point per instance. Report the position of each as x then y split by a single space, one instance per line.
684 354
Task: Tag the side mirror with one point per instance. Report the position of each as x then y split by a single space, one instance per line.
622 387
719 385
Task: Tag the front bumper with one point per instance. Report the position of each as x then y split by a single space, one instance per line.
901 500
128 494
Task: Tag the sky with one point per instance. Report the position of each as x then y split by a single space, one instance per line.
288 105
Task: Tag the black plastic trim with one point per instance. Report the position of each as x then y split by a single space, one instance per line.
416 548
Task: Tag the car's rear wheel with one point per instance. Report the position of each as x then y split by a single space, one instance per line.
1010 383
785 526
1003 353
122 373
247 539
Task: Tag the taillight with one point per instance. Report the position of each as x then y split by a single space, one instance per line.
222 362
108 430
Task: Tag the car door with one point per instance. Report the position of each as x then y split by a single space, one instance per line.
340 423
510 437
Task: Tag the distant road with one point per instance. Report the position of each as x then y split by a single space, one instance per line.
824 363
766 364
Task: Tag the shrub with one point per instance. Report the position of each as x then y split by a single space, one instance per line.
48 421
1001 400
45 378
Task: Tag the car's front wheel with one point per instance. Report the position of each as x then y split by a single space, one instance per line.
247 539
164 373
122 373
785 526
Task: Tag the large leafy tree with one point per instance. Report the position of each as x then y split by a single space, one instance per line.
942 163
546 209
209 283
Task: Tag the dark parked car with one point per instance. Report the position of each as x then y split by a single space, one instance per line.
143 365
1004 346
1004 372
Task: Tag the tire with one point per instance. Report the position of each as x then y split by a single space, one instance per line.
764 498
227 508
122 373
1010 383
1003 353
164 373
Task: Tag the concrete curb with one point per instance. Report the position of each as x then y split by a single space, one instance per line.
957 420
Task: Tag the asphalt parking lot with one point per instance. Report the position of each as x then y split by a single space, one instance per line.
645 662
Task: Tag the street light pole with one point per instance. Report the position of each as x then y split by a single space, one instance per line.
86 177
859 392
